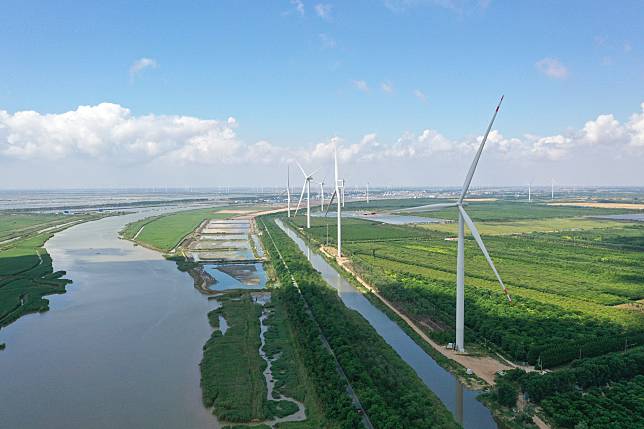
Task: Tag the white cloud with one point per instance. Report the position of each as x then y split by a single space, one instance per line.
361 85
110 131
552 68
323 10
111 134
420 95
299 6
387 87
141 64
327 41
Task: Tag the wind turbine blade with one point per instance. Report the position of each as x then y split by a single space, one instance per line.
312 174
301 169
470 173
328 206
301 196
428 208
479 241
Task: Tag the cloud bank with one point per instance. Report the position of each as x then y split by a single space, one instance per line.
111 133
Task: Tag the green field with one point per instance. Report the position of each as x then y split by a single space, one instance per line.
569 287
26 272
573 225
165 232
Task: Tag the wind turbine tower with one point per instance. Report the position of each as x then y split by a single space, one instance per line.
307 188
337 192
322 195
464 218
367 192
288 190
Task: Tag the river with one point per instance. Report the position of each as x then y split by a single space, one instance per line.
460 400
120 349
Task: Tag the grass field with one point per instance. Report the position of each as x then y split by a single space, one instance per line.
165 232
26 271
569 287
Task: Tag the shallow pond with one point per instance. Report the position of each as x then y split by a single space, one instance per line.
391 219
237 276
639 217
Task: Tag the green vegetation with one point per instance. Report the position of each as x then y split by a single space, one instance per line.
529 225
569 287
390 391
26 271
165 232
231 369
605 391
489 211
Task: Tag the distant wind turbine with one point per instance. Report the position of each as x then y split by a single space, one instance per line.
288 190
464 218
307 188
337 192
322 195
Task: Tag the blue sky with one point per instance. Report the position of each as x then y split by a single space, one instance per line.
296 74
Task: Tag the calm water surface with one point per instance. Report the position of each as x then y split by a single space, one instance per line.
119 350
458 399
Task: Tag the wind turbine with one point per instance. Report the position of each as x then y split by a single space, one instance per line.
530 192
367 192
288 190
307 188
464 218
337 192
552 189
322 195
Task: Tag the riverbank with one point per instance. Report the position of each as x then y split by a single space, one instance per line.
26 270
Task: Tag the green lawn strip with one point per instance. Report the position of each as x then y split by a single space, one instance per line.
391 392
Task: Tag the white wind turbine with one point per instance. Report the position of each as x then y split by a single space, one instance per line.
322 195
463 217
338 191
307 188
288 190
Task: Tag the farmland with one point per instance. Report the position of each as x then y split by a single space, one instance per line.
568 286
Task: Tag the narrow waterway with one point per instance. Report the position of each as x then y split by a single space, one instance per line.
457 398
119 350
